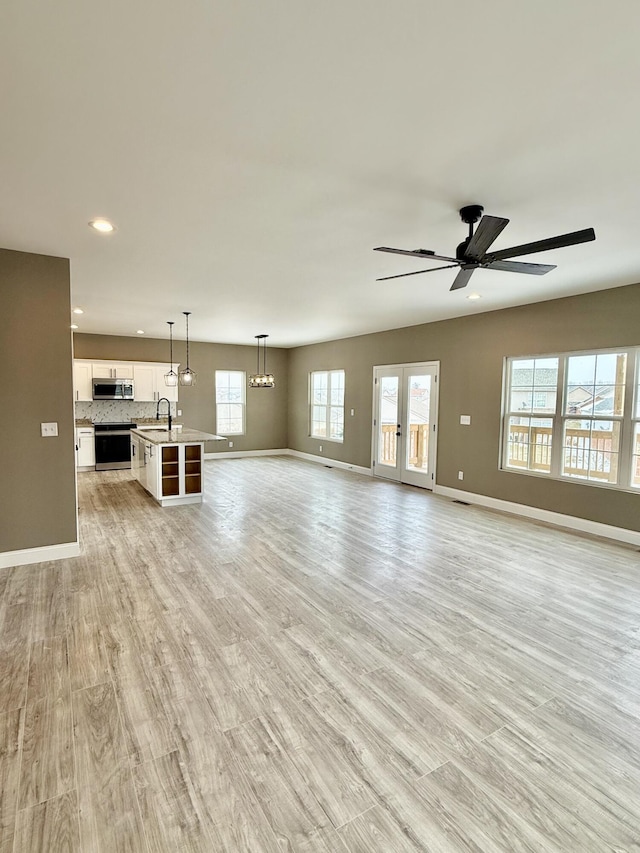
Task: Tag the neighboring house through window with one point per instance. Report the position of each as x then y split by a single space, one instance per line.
326 402
230 402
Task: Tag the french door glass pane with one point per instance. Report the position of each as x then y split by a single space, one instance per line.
591 449
417 447
388 421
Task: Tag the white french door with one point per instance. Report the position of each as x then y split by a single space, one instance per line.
405 423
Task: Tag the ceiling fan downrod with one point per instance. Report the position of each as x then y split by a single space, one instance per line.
470 214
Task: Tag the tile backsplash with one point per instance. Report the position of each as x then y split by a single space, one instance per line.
120 411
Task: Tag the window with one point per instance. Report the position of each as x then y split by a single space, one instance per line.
326 398
574 415
230 402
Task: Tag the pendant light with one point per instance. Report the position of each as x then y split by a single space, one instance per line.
264 379
171 377
187 376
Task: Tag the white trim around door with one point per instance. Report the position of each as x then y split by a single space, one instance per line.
405 422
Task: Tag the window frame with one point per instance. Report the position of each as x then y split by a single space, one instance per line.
242 403
629 420
328 406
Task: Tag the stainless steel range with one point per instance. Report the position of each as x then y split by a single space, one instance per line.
113 446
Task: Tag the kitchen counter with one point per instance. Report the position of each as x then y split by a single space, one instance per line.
175 436
169 463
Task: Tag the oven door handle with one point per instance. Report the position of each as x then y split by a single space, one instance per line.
100 433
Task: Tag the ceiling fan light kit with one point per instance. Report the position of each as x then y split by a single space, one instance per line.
473 254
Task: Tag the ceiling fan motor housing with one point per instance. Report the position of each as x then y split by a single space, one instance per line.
472 213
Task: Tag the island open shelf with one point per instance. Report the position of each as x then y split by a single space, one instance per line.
168 464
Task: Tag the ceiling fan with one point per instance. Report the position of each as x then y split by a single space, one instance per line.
472 253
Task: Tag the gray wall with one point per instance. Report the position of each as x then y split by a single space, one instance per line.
471 352
266 414
38 476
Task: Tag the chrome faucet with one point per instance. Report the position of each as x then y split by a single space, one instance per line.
168 410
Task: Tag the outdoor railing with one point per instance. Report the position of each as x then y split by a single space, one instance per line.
586 453
418 445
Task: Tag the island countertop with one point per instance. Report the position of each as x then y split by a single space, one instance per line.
175 436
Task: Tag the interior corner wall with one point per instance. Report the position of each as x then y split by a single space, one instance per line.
471 351
266 408
37 474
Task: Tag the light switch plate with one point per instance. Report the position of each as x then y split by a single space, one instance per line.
465 419
49 429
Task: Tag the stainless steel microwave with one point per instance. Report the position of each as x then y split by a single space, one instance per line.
112 389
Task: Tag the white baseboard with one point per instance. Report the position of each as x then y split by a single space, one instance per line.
238 454
39 555
583 525
331 463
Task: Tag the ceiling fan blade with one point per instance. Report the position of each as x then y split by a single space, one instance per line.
488 229
421 254
519 266
462 279
571 239
418 272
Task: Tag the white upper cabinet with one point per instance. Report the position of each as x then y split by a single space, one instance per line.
112 370
148 378
149 384
144 382
82 381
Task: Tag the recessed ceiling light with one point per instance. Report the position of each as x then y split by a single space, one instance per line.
102 225
73 326
474 296
78 311
140 332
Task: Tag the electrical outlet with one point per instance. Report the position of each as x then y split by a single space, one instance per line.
230 444
320 448
49 429
353 411
465 420
179 412
461 475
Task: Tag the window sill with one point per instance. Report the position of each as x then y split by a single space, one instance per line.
612 487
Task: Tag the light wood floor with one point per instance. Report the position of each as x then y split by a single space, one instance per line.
317 661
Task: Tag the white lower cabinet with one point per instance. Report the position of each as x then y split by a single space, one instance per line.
171 473
141 461
85 447
152 452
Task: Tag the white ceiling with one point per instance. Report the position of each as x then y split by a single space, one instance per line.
252 155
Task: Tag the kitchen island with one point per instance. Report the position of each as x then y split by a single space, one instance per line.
168 463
